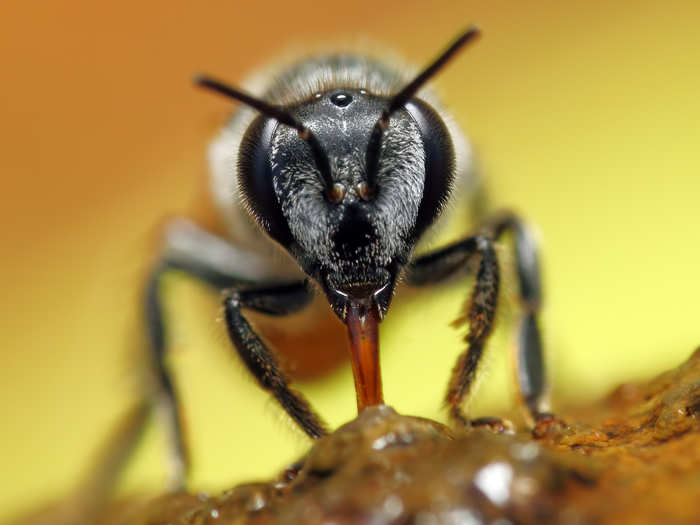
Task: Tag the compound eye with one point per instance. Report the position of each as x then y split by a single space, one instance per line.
255 175
439 162
341 99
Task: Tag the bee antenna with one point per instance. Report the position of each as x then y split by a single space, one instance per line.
402 97
279 114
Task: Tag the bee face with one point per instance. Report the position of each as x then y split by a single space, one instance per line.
345 167
356 240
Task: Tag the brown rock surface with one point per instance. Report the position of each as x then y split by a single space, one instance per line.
634 457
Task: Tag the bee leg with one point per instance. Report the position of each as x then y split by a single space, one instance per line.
258 358
531 372
86 501
96 488
437 266
480 316
213 261
164 395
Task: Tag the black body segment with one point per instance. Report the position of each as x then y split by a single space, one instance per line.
440 264
165 398
531 366
481 308
531 370
277 300
259 360
526 257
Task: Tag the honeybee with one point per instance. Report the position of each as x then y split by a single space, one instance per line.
343 162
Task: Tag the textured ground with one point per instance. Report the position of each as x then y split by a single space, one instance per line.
634 457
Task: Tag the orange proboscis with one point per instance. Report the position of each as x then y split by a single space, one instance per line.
363 329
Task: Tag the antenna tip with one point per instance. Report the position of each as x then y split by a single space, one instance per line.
474 30
199 79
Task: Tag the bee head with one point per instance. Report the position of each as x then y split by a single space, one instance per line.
348 181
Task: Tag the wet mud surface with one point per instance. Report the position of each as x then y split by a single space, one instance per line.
633 457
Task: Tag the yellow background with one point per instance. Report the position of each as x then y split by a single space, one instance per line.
586 119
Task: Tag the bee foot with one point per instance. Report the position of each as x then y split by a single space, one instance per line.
547 424
494 424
